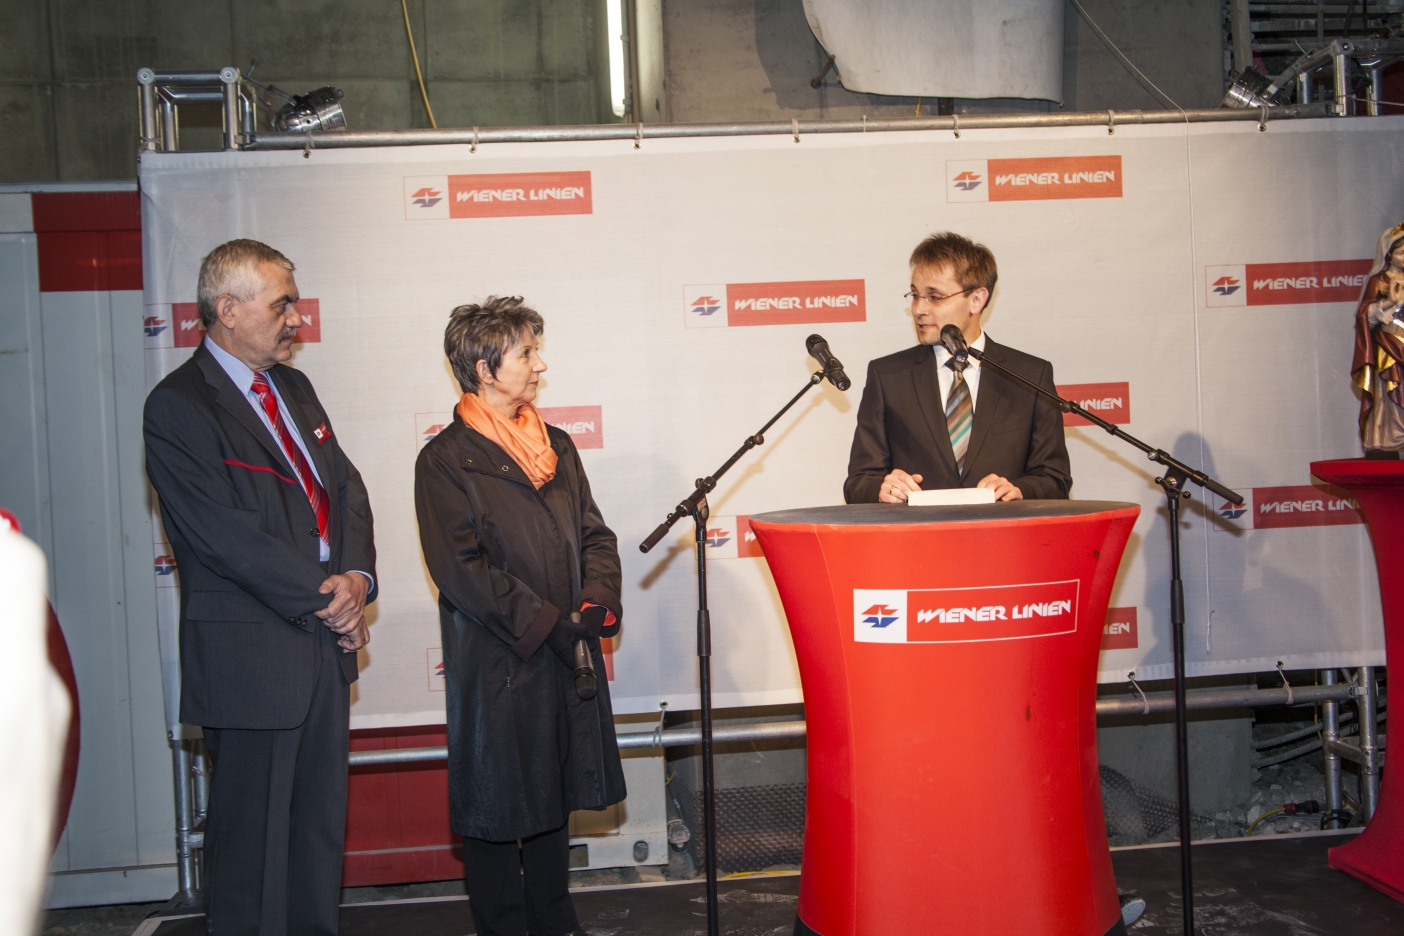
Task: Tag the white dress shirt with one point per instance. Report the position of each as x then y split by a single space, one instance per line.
243 378
946 375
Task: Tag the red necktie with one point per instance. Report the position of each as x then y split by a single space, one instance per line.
316 494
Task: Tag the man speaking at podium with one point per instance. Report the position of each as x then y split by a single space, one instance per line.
928 421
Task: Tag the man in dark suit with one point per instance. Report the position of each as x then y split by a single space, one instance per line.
272 534
929 422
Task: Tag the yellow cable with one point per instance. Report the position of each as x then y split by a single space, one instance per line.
417 73
918 110
747 874
1262 817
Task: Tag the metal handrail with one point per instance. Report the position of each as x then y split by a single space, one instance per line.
773 731
797 128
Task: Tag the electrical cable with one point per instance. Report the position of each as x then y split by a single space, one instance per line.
424 94
750 874
1343 816
1106 40
1308 731
1363 100
1312 729
1304 808
1310 746
1271 812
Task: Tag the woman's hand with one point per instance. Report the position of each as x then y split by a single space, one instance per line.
569 628
592 619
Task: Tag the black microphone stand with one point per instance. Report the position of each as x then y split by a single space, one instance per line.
1173 483
695 504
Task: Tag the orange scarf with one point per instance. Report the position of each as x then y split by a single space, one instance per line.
524 438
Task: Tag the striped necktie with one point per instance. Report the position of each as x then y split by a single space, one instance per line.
316 494
960 413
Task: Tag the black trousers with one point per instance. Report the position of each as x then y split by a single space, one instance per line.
276 825
514 890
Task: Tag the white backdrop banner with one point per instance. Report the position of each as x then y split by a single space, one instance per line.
1179 286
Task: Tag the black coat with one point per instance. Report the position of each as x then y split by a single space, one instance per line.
902 424
245 542
524 750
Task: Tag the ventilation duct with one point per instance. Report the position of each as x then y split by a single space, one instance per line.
944 48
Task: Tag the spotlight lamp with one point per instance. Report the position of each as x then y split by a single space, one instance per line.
1251 88
313 111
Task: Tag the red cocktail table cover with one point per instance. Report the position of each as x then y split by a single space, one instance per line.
949 657
1376 856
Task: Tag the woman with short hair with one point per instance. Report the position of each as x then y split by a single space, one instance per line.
525 568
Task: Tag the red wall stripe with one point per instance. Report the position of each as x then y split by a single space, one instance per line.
88 241
86 211
88 261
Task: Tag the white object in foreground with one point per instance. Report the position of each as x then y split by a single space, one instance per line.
947 496
34 710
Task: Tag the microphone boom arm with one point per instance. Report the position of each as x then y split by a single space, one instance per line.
698 497
1176 470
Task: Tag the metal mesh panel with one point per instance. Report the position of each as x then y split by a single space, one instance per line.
758 827
1133 812
763 826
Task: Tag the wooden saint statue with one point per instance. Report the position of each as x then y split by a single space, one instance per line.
1378 366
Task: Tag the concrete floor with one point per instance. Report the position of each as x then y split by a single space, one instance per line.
97 921
1278 885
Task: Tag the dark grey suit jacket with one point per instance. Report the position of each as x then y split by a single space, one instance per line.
902 424
245 542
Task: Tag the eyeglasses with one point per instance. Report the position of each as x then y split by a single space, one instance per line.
916 298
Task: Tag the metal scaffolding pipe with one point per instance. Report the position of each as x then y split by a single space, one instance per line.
170 121
187 871
369 138
233 126
147 99
211 94
1224 699
1330 734
1376 91
174 78
629 740
1340 63
1371 755
774 731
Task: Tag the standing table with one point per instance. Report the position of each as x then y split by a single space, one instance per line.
1376 856
949 659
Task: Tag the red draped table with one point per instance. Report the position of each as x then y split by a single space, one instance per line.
1376 856
949 663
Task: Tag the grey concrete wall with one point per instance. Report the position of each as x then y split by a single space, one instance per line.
68 95
1177 44
68 100
1220 748
742 764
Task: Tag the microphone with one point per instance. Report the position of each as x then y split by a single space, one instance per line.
954 342
585 684
818 349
